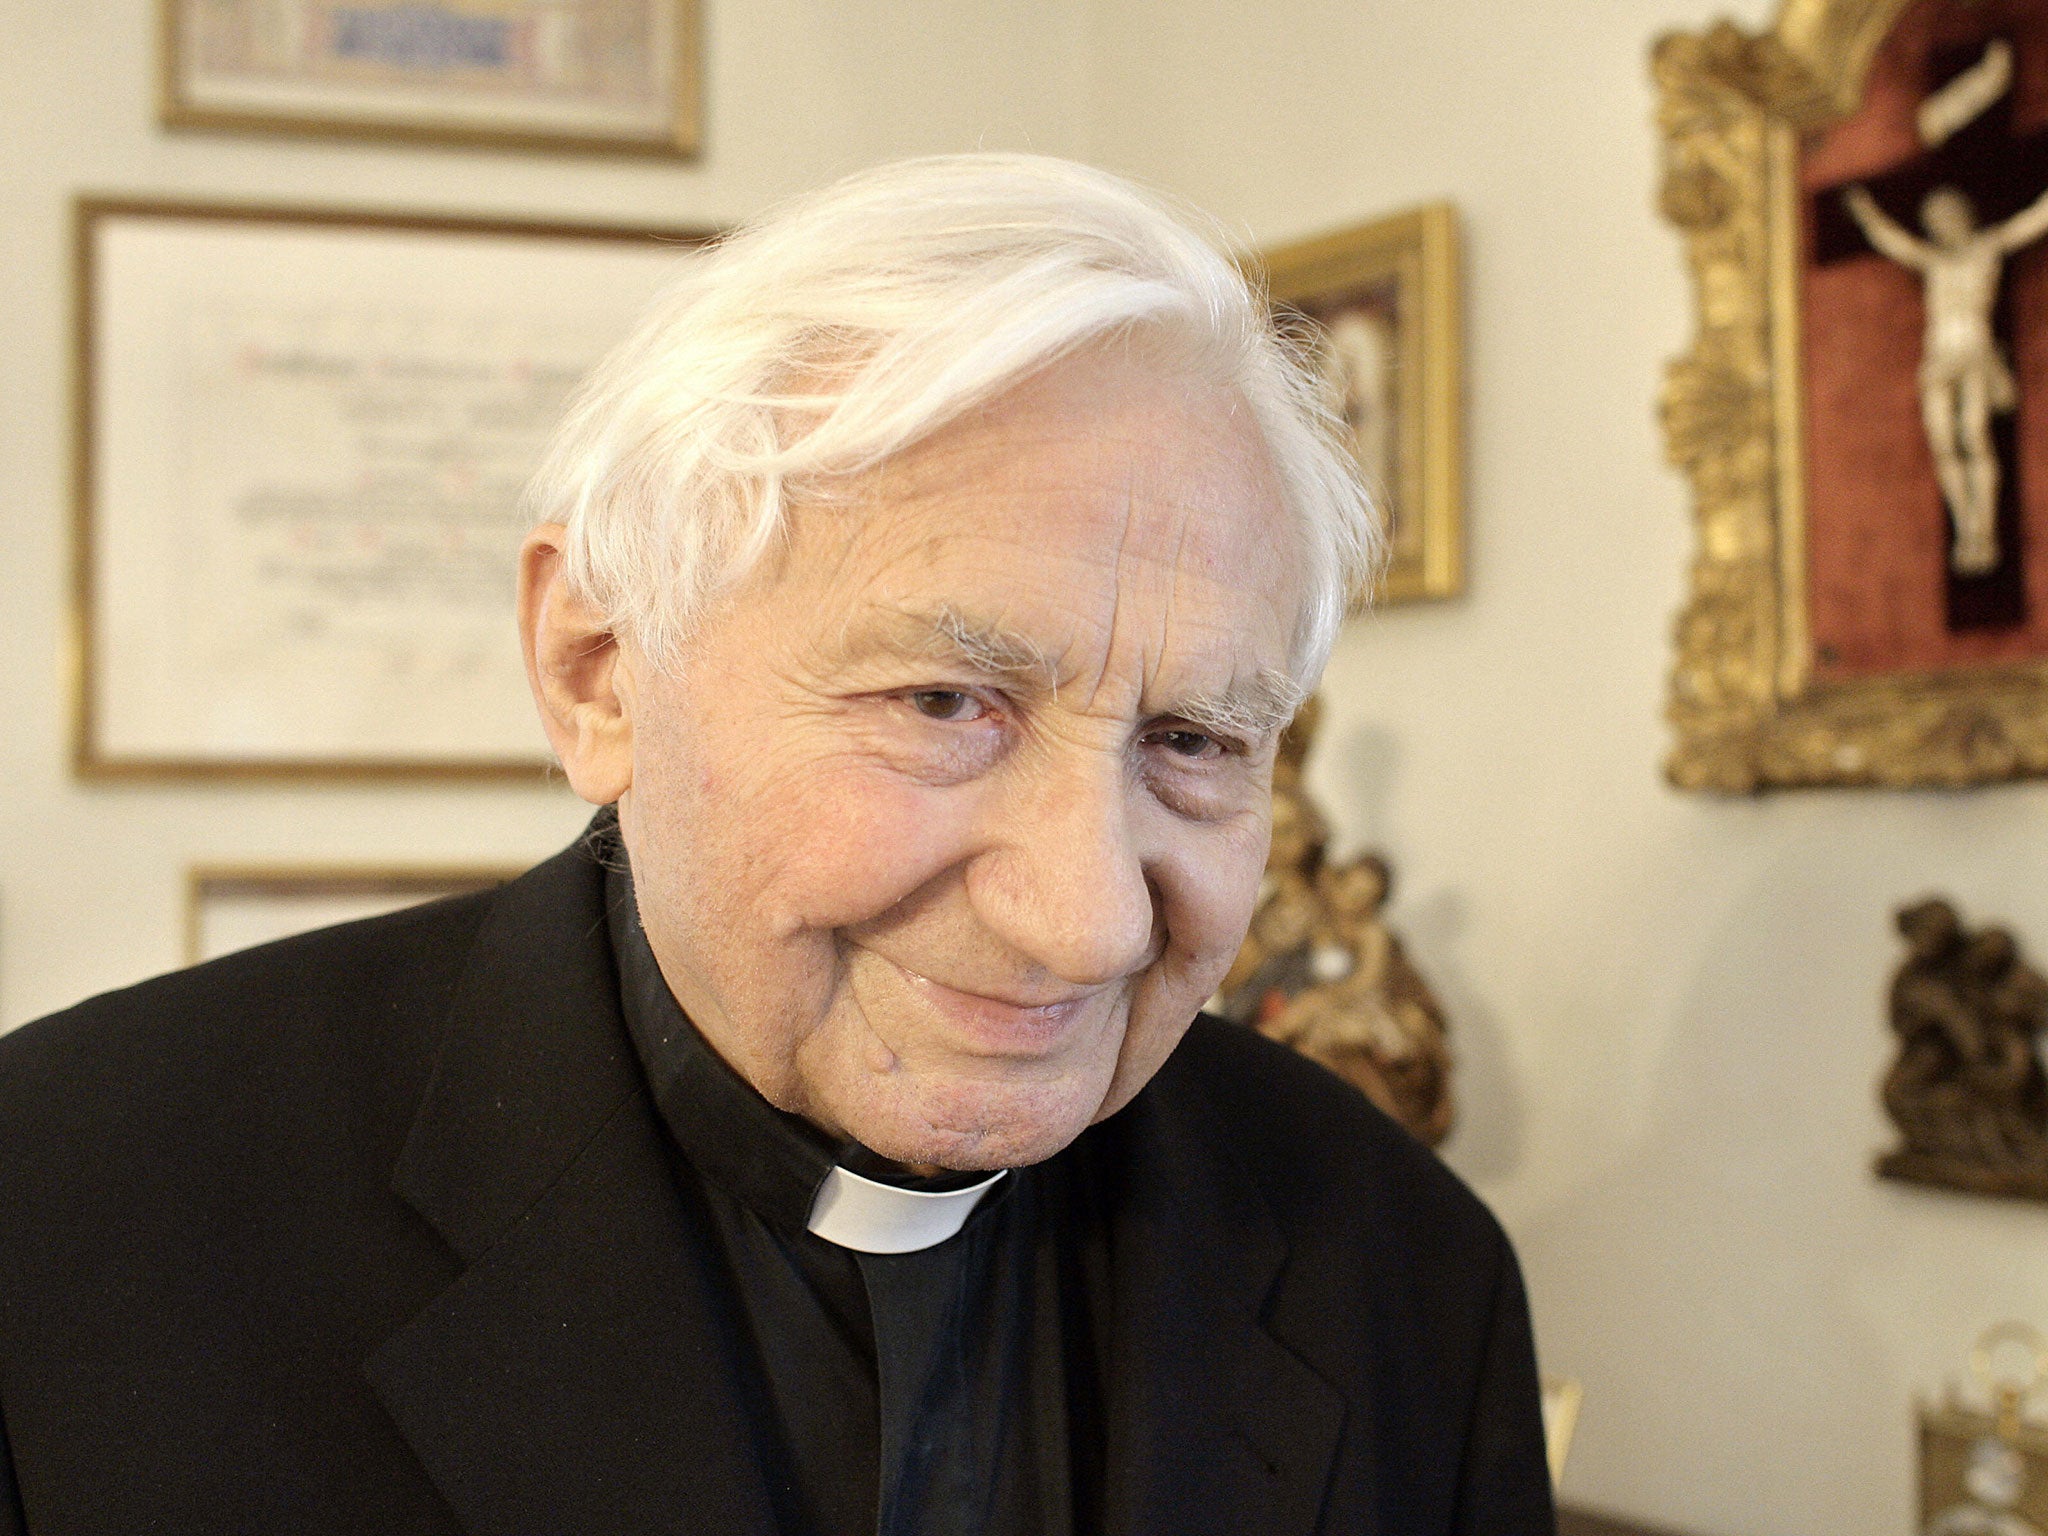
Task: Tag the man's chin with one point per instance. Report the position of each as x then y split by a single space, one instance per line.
973 1128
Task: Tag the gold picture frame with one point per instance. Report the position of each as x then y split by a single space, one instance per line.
295 898
1751 701
1384 300
172 301
603 76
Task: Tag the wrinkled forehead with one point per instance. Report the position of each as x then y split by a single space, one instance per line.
1176 463
1021 582
1064 529
1160 507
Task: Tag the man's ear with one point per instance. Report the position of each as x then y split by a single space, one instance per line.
580 678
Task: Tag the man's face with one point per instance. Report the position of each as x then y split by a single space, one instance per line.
954 813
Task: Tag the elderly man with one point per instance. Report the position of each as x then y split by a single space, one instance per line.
828 1144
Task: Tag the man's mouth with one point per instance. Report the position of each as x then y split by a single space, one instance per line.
996 1020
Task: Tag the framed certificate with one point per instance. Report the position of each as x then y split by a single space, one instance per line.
301 444
614 75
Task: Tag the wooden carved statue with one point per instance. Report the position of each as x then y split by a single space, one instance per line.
1321 971
1967 1090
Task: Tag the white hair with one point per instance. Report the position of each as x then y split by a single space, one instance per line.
841 328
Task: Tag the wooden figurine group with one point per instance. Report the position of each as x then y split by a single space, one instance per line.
1321 971
1967 1090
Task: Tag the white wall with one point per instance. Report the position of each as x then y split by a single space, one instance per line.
1668 1007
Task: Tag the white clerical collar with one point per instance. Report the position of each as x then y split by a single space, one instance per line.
869 1217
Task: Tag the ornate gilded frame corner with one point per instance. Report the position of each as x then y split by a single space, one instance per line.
1747 713
1419 250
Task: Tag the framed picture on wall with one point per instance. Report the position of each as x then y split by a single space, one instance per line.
233 906
1382 302
615 75
301 443
1863 192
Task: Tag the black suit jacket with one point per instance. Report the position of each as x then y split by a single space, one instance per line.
376 1231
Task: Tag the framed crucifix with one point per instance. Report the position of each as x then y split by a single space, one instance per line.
1864 414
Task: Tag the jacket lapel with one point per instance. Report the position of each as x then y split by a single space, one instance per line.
1214 1424
581 1374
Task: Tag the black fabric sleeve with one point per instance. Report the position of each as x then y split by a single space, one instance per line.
1504 1484
13 1522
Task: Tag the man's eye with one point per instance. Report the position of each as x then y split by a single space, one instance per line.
1196 745
945 704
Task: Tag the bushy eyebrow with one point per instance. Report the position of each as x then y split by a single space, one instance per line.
948 633
1260 707
1254 709
944 634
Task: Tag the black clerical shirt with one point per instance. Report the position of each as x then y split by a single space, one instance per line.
949 1391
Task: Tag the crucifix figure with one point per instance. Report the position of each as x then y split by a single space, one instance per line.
1975 195
1964 377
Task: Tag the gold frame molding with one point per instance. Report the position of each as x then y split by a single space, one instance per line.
1418 249
684 138
426 881
89 760
1747 712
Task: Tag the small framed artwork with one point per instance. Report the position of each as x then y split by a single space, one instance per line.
301 443
613 75
1863 193
234 906
1382 302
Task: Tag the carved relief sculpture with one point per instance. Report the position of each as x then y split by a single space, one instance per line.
1321 971
1967 1090
1864 411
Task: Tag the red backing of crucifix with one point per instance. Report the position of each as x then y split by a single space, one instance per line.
1883 595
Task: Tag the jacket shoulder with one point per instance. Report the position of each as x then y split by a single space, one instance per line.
1396 1285
355 1008
1326 1159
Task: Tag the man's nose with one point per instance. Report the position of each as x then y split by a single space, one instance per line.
1065 882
